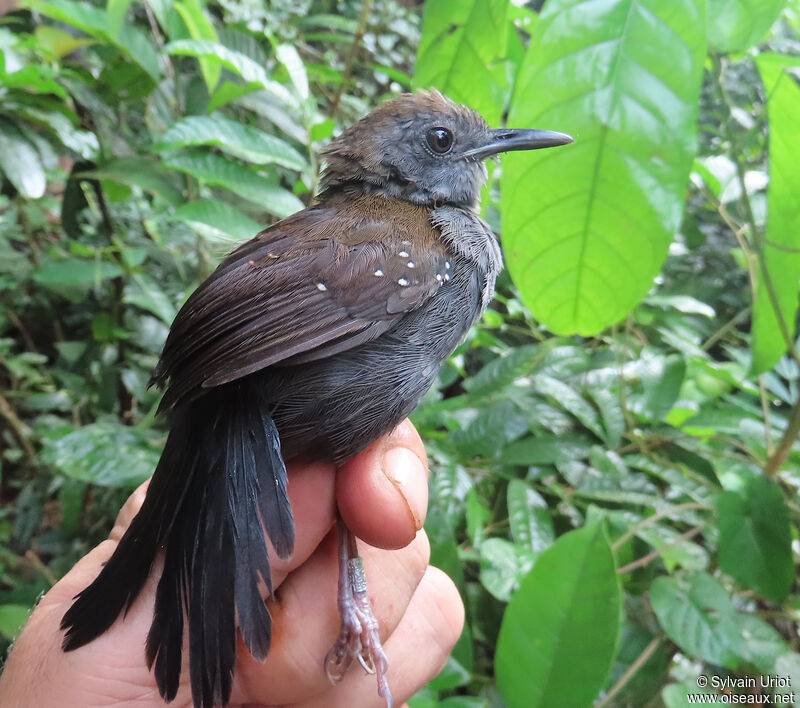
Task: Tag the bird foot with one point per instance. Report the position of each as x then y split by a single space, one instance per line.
359 637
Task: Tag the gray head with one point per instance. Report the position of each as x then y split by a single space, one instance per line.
425 148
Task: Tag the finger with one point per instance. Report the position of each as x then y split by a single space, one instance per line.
129 509
306 617
382 494
418 649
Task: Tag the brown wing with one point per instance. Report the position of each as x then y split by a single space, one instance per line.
321 281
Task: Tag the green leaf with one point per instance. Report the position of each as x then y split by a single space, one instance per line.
240 140
288 56
57 41
94 22
237 62
675 695
755 539
661 378
20 162
546 449
586 227
105 453
489 430
502 371
503 565
229 91
460 50
144 292
570 400
608 403
780 261
75 273
218 170
138 172
788 665
115 15
217 220
696 615
13 619
200 27
563 622
529 518
736 25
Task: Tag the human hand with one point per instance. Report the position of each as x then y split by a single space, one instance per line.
417 606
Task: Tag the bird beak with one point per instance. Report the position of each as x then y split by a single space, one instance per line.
507 139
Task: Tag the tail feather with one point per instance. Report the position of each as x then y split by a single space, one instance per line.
219 484
212 620
252 561
276 511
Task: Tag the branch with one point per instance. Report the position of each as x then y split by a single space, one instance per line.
777 458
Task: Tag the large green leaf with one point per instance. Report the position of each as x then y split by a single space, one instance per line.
94 22
697 614
216 169
20 162
735 25
586 227
75 273
13 619
460 52
115 15
546 449
781 253
243 141
562 623
217 220
105 453
237 62
200 27
528 517
137 172
755 538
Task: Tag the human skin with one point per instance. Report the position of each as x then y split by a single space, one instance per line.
382 495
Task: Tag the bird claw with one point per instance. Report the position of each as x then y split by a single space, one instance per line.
359 637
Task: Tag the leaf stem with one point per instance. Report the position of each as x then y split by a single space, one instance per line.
351 55
777 458
644 560
21 430
633 530
630 672
756 236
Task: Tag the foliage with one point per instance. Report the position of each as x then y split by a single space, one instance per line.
615 483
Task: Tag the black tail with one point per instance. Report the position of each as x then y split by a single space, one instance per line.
220 477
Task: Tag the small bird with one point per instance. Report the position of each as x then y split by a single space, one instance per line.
316 337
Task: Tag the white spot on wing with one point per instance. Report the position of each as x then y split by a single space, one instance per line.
411 264
378 272
322 286
402 282
403 254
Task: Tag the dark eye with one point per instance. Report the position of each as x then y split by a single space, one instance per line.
440 140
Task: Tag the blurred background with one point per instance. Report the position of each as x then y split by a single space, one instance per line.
615 466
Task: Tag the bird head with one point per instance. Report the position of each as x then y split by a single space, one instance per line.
424 148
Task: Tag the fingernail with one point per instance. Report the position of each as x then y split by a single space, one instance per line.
407 473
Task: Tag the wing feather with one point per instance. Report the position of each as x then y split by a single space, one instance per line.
317 283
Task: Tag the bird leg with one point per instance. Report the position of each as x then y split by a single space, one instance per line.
358 638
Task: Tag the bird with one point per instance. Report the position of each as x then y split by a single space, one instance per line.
314 338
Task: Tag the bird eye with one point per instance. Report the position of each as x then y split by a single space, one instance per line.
440 140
